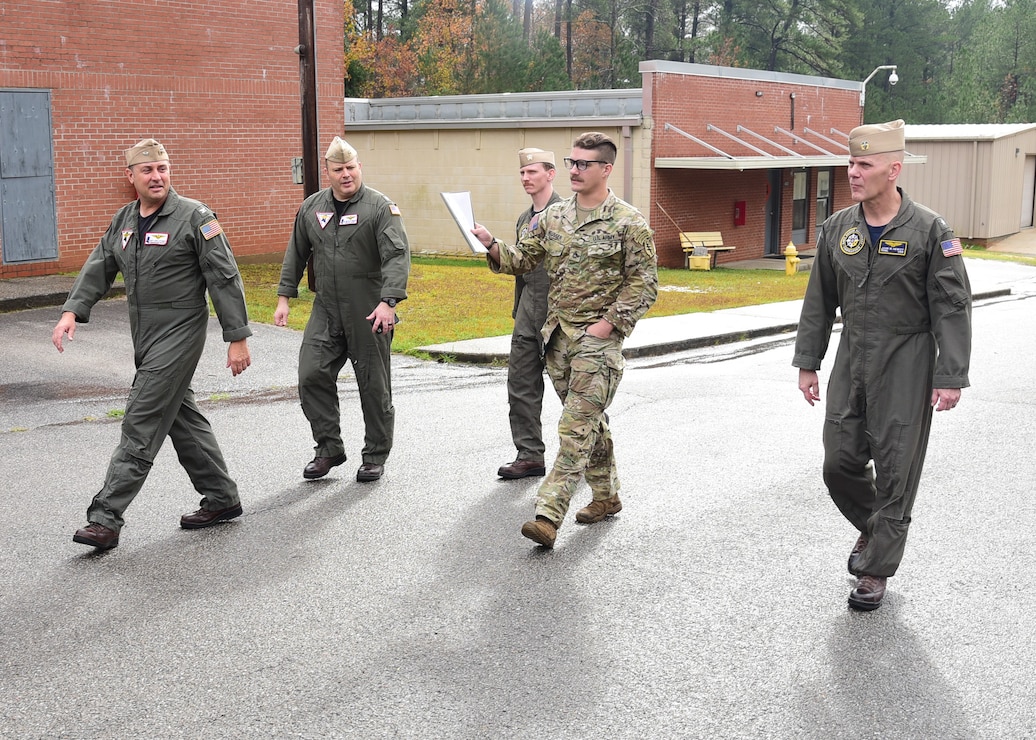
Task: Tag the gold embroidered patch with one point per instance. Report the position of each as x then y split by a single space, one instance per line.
852 241
897 249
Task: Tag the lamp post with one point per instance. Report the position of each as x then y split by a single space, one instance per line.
893 79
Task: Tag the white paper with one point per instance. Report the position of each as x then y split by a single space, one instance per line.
459 205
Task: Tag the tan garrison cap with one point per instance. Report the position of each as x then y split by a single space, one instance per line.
340 151
533 155
877 138
146 150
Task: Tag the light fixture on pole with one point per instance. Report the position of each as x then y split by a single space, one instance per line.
893 79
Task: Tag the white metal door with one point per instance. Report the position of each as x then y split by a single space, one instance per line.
1028 191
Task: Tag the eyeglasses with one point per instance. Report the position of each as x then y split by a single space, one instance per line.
582 164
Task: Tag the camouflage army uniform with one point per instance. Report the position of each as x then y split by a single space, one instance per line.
605 269
525 362
167 272
359 259
906 329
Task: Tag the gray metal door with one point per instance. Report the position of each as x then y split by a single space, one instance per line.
773 212
27 212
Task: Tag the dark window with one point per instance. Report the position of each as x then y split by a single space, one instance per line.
824 195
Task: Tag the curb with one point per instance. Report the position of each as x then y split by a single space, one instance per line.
43 300
680 345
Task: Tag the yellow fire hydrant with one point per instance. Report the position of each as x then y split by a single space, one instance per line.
791 259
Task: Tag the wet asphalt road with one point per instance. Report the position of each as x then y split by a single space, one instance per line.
712 606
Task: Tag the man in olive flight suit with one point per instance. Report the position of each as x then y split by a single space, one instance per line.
170 250
895 270
600 255
361 260
525 362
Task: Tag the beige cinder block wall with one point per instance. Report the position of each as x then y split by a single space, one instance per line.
414 166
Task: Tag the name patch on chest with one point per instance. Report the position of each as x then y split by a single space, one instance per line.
347 219
154 238
852 241
896 249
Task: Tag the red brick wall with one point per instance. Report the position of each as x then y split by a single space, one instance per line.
703 200
217 83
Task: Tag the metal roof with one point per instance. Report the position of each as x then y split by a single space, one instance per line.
820 150
964 131
742 73
563 109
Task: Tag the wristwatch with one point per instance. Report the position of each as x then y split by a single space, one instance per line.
390 301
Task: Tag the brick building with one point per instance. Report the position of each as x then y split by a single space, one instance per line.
759 156
217 83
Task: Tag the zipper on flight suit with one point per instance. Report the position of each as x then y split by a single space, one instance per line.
870 263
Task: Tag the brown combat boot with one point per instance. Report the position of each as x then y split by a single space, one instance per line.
598 510
869 592
854 555
541 531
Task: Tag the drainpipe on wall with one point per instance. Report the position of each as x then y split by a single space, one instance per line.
308 84
627 164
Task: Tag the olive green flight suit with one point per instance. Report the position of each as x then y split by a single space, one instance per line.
184 253
906 329
525 361
358 259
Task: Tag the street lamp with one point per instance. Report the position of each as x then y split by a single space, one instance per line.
893 79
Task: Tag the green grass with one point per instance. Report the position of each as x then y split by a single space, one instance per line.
977 252
455 298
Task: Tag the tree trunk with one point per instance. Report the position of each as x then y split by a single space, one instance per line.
649 30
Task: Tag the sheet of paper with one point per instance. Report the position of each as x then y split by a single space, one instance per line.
459 206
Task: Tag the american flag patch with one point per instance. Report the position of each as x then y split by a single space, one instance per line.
211 229
952 247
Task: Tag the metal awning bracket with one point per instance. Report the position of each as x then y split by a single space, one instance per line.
774 144
742 142
696 140
799 140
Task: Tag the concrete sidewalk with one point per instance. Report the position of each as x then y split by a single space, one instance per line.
652 336
18 294
658 336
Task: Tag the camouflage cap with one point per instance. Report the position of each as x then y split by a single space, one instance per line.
340 151
146 150
877 138
533 155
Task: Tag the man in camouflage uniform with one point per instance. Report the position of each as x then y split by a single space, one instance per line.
895 270
600 256
525 361
170 250
361 260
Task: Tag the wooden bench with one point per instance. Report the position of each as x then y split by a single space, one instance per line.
710 241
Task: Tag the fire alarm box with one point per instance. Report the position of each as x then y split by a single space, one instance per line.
739 213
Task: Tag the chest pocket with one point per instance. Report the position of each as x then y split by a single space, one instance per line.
553 247
603 249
